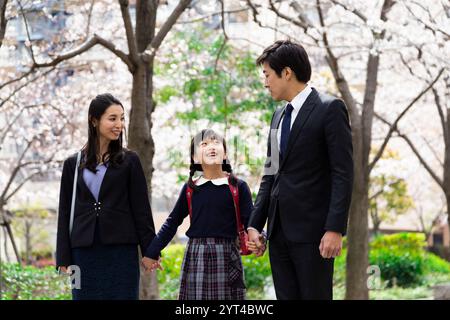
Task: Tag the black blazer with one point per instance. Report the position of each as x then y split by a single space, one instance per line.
123 210
312 185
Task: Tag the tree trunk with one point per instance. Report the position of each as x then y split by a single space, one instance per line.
141 141
375 221
446 170
5 244
358 238
28 248
3 21
140 138
358 233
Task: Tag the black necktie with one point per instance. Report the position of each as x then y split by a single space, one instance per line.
285 129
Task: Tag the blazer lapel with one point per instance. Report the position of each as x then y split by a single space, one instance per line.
277 118
275 125
300 121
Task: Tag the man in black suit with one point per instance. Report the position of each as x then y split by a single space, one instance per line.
306 189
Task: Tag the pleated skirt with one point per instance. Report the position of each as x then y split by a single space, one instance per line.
212 270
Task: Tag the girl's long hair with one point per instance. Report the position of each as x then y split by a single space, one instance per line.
115 153
226 166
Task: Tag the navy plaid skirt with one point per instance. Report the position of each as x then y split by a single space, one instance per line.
212 270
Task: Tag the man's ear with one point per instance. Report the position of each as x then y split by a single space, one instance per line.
288 73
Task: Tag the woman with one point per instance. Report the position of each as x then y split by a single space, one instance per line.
112 213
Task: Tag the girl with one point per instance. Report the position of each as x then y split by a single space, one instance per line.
212 267
111 213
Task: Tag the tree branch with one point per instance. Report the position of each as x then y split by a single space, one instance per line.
259 23
444 124
381 191
298 23
243 9
151 49
400 116
414 150
356 12
15 171
131 39
225 36
27 29
24 85
339 78
88 25
95 39
433 29
13 192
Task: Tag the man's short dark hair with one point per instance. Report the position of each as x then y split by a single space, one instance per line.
285 53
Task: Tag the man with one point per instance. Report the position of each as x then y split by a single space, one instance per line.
305 192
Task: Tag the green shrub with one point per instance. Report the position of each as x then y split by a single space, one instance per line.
257 273
435 264
401 268
31 283
169 278
400 258
412 242
339 269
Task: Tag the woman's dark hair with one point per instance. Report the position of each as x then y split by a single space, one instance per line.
115 153
206 134
285 53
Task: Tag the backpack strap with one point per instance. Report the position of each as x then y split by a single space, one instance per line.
189 192
234 193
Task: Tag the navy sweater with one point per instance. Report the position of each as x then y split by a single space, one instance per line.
213 215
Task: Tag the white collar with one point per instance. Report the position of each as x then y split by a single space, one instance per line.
300 98
217 182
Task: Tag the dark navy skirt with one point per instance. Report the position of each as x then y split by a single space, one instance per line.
108 272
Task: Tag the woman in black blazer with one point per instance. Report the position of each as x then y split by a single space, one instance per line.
112 213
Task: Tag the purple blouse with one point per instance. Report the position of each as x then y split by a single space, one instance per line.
94 180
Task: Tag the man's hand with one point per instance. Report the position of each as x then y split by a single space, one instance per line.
151 264
331 244
256 242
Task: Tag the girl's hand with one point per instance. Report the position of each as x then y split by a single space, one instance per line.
257 250
150 264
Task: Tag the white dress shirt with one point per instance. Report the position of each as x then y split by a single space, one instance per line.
296 103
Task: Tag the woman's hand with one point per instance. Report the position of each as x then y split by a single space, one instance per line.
63 270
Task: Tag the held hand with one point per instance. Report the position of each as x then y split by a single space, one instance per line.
254 240
63 270
331 244
257 243
150 264
263 247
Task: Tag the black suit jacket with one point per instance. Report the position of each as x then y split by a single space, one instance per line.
312 185
122 211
